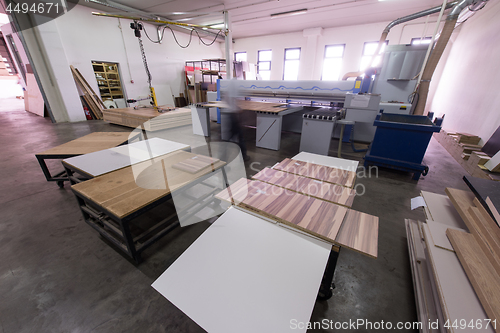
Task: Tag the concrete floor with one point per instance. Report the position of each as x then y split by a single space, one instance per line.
58 275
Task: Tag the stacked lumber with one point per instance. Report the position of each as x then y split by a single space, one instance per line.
148 118
468 138
93 101
467 152
479 250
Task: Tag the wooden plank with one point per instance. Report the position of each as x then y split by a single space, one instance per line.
483 277
462 200
127 190
315 188
493 209
359 231
196 164
92 100
486 240
90 88
89 143
316 171
478 222
319 218
148 117
261 106
426 304
456 294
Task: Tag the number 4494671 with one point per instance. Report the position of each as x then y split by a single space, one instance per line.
34 8
478 324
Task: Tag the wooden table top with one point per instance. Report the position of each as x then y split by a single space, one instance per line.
316 171
250 105
89 143
127 190
147 113
326 220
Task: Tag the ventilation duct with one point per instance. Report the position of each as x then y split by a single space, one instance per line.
396 22
449 26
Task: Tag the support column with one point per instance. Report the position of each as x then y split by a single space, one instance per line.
49 59
229 45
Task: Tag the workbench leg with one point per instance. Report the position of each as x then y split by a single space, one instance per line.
325 290
129 241
341 137
44 167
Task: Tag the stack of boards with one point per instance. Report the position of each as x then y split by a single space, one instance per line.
93 101
456 273
465 149
148 118
312 198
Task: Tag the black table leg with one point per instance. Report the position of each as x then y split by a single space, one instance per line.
325 290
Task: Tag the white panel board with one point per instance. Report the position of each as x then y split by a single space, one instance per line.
246 275
329 161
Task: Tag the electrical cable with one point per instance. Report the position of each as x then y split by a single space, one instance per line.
175 37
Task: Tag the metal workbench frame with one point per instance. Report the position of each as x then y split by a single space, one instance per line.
63 176
117 230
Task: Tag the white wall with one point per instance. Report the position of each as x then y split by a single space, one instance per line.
78 37
353 37
466 87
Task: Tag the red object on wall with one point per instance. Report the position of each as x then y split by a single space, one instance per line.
87 113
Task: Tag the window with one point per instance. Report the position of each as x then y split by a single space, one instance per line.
292 60
333 62
420 41
368 50
264 64
240 56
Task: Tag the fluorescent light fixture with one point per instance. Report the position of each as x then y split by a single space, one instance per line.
217 26
290 13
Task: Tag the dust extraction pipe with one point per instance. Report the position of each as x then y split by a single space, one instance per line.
396 22
451 20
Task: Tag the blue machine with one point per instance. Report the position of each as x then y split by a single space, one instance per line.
400 142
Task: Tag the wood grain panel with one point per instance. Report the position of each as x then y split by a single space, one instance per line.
196 164
89 143
359 232
315 188
479 223
123 192
320 172
317 217
482 275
